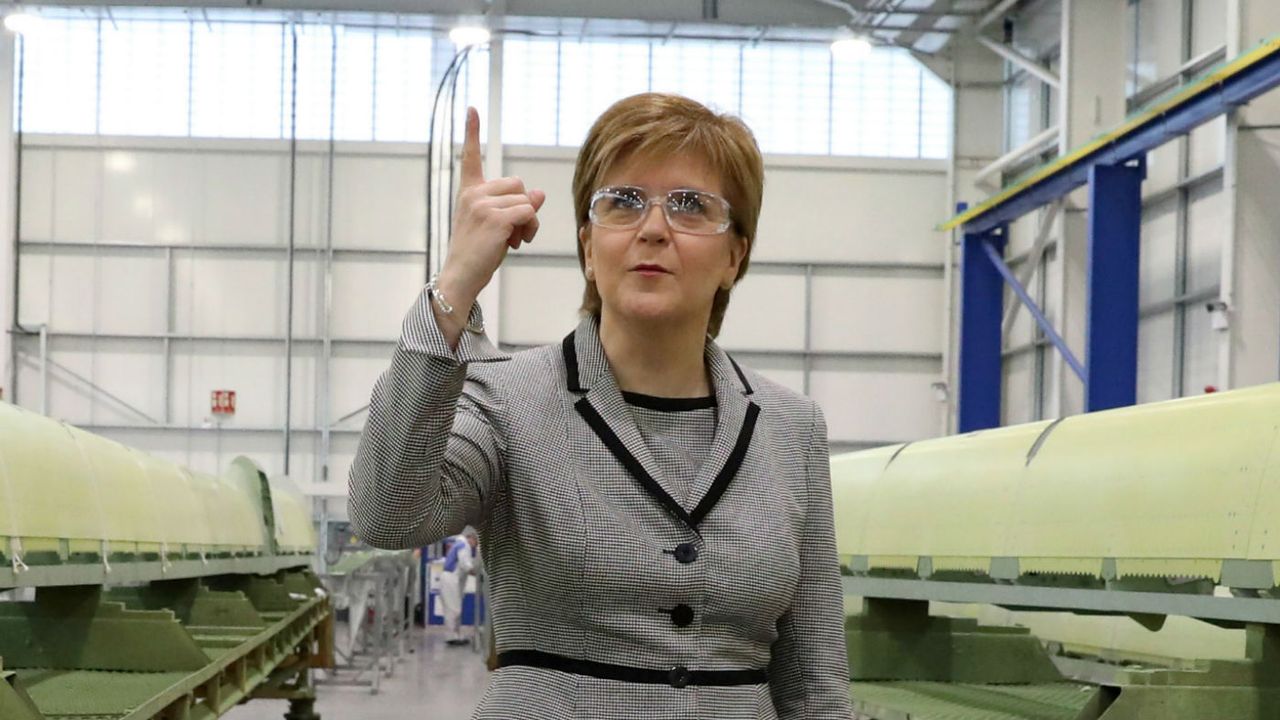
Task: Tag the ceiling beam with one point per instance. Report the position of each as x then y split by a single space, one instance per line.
734 12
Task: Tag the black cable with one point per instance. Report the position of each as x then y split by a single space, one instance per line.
290 261
453 115
454 65
16 326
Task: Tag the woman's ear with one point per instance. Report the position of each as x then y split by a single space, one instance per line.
584 238
737 253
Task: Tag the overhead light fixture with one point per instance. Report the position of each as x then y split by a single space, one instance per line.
848 46
468 35
22 23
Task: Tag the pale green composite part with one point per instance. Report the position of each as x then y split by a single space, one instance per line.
294 532
68 491
1171 489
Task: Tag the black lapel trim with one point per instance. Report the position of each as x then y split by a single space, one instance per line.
629 461
730 469
741 376
571 363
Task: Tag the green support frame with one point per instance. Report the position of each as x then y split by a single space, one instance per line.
171 650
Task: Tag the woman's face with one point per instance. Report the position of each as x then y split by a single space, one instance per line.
654 272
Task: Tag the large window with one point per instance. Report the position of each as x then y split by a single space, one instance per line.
797 98
234 78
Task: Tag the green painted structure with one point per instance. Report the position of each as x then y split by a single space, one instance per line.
159 592
1143 513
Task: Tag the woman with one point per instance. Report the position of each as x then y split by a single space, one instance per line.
656 519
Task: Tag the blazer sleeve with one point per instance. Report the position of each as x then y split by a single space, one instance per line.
430 457
809 671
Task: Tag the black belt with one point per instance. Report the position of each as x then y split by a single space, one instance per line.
677 677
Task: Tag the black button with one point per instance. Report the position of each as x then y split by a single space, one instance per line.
679 676
686 553
682 615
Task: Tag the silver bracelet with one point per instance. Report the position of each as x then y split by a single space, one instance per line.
433 288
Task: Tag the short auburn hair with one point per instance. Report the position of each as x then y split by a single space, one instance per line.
660 126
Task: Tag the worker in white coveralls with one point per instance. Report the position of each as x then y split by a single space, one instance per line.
458 564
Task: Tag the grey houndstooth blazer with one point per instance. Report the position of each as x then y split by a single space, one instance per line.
610 599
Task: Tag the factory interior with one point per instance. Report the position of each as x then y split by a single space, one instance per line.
990 430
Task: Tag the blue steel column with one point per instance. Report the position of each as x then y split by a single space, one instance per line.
981 306
1111 335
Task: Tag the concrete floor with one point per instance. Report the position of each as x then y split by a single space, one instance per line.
435 681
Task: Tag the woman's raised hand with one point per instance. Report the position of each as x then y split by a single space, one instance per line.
490 218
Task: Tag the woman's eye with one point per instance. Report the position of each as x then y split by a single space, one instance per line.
625 202
688 204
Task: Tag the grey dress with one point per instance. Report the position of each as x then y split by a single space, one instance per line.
611 599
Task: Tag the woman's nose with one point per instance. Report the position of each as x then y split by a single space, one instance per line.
654 227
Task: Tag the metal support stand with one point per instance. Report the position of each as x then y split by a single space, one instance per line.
378 591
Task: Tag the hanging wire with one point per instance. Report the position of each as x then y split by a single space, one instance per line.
15 321
434 153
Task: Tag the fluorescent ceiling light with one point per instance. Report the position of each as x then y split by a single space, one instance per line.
22 22
851 47
468 35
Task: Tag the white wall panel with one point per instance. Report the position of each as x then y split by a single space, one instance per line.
342 453
37 194
72 291
114 366
353 371
979 110
878 314
554 176
308 293
254 370
1208 25
1200 363
1159 39
380 201
1157 260
1162 168
876 405
372 293
229 293
129 292
540 302
1022 234
34 289
61 395
766 311
174 187
208 450
77 194
1156 342
1018 395
845 217
131 198
1206 225
791 378
1206 146
245 198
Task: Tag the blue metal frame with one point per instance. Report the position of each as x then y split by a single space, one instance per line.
979 363
994 256
1111 331
1234 91
1114 172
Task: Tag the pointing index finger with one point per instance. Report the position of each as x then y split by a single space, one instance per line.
472 170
